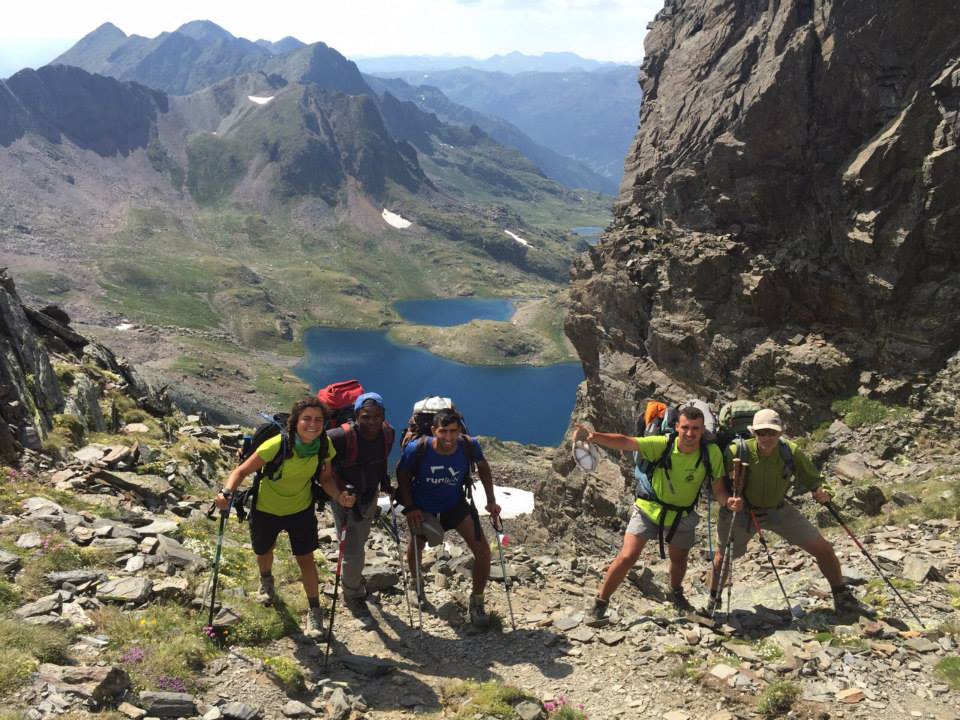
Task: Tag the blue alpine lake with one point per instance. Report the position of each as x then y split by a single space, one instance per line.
522 403
590 233
446 312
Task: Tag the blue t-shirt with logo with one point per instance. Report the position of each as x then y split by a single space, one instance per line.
437 483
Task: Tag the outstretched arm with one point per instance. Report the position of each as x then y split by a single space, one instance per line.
613 441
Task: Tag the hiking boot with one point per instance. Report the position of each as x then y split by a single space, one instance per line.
599 609
314 624
846 603
713 603
267 592
478 615
680 602
357 606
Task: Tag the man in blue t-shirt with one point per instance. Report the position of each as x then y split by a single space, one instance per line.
432 478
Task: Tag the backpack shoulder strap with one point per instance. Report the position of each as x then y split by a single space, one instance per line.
705 458
350 445
389 435
664 459
787 455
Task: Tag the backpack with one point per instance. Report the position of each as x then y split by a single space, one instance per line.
351 451
245 500
420 423
644 469
735 419
338 399
420 426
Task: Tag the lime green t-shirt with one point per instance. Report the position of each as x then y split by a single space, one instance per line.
290 492
765 485
682 484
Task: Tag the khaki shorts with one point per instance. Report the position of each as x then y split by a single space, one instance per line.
684 538
786 521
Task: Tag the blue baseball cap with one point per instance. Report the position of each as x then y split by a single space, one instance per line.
368 397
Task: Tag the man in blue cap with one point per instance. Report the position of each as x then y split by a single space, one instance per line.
363 446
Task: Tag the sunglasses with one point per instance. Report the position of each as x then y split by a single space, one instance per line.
766 433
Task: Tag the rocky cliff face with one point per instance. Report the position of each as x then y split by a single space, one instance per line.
31 394
787 219
787 222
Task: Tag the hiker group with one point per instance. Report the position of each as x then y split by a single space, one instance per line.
335 447
742 462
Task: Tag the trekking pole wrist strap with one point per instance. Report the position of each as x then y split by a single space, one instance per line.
226 492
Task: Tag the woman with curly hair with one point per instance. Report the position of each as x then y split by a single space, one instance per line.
284 499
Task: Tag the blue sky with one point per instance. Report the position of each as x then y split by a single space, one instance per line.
33 33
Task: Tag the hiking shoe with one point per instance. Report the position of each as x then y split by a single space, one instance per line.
478 615
314 624
680 602
357 606
599 609
267 592
846 603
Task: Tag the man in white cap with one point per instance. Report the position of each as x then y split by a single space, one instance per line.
772 465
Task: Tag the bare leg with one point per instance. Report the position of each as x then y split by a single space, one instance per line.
618 569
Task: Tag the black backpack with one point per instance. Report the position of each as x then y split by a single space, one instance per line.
245 500
420 423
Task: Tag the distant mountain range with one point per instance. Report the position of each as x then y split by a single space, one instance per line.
590 117
514 62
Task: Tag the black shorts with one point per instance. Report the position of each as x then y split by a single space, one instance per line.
301 527
450 519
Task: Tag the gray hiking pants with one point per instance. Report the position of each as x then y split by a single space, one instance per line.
358 530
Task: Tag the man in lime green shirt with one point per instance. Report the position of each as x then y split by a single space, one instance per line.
772 466
676 489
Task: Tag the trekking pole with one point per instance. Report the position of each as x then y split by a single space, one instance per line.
224 516
336 581
763 541
403 564
498 531
836 515
726 565
419 587
710 524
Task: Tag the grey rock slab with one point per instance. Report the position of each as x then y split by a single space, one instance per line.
160 526
381 577
102 683
582 634
565 624
134 589
853 467
894 556
74 614
116 546
74 577
338 705
176 554
29 541
295 708
42 506
240 711
368 666
922 645
89 454
49 605
919 569
527 710
8 562
612 637
168 704
151 487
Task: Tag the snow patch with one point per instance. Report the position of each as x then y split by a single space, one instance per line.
513 502
395 220
519 239
124 326
259 99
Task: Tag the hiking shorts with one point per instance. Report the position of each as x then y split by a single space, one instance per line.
453 516
301 528
684 538
786 521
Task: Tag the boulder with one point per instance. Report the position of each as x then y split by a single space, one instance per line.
9 562
168 704
134 589
101 683
176 554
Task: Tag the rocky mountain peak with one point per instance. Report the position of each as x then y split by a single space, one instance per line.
204 31
784 223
